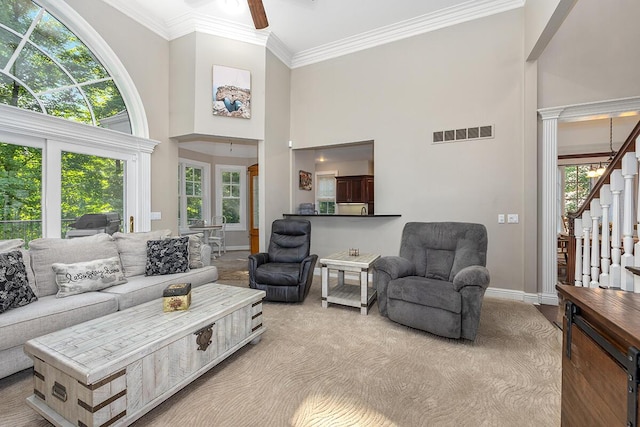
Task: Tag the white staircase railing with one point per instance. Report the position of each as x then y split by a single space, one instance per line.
600 260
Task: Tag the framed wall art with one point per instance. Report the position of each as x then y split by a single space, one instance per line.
305 180
231 92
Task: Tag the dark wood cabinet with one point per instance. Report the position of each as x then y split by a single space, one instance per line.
601 338
354 189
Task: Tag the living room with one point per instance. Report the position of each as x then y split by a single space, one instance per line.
497 69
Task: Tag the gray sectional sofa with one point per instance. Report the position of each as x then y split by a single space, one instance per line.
51 312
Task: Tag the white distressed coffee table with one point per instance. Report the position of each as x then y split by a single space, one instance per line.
114 369
361 296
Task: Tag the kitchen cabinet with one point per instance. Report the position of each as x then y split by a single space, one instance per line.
354 189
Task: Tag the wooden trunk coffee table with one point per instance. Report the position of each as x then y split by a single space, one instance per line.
351 295
114 369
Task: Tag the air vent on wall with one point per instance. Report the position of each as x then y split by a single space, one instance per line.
476 132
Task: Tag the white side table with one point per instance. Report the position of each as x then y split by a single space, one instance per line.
361 296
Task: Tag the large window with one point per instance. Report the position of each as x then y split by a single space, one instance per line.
576 186
326 192
193 190
45 67
231 195
54 66
20 192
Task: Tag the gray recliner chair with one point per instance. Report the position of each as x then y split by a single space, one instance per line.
438 282
285 272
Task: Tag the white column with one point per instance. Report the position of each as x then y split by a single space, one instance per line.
617 185
605 248
578 232
629 171
596 213
586 257
549 177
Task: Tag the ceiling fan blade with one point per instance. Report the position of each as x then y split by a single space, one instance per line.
258 14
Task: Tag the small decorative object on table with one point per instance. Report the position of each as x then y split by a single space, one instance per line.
176 297
354 252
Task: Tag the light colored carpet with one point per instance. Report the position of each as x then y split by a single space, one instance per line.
335 367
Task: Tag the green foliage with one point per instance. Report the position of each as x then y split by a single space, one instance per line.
20 182
44 71
91 184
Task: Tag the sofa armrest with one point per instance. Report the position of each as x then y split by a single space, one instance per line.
255 261
474 275
385 269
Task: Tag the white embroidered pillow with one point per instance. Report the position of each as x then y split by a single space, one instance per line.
88 276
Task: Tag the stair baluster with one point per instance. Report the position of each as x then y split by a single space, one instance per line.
579 233
605 259
617 185
586 248
596 213
629 171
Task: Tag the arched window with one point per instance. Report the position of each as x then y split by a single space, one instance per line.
68 85
45 67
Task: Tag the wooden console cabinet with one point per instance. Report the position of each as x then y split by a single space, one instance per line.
600 353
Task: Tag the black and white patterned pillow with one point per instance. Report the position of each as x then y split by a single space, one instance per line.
167 256
14 287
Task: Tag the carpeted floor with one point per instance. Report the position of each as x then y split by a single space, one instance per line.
335 367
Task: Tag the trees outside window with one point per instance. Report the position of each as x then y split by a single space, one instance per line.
45 67
193 192
576 186
231 195
20 192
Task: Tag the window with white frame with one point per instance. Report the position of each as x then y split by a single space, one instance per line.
231 195
193 192
326 192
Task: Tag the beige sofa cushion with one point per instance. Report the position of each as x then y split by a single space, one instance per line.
46 251
133 249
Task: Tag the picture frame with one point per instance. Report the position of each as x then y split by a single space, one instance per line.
231 92
305 180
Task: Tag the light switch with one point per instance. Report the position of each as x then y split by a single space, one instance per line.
500 218
155 216
512 218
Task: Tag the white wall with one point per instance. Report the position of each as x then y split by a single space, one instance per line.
275 160
593 56
397 95
145 55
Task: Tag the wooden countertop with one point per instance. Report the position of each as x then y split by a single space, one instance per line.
344 215
618 311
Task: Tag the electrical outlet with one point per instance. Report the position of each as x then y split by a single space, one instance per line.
500 218
512 218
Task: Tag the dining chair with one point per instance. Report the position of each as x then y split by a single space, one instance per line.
217 236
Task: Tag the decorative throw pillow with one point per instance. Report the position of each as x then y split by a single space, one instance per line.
14 287
195 248
167 256
133 249
88 276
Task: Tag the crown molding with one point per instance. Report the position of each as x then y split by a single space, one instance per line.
190 22
454 15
